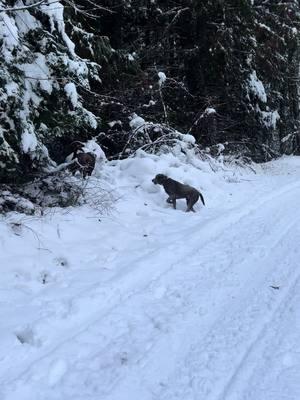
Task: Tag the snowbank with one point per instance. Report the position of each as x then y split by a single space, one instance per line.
89 299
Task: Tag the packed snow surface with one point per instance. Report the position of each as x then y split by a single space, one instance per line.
148 302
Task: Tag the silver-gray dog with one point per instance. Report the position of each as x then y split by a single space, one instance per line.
177 190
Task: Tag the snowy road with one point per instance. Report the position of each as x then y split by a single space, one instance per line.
156 303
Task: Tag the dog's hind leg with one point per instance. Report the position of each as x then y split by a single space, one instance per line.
191 201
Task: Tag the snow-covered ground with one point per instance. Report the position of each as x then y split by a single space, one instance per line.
148 302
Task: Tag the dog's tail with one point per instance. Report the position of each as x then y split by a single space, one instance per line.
202 199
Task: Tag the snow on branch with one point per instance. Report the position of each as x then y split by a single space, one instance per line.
25 7
71 3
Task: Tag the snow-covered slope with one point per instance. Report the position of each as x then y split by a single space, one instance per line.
151 303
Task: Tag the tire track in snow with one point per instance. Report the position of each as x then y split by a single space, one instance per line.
277 377
291 277
223 326
235 386
213 341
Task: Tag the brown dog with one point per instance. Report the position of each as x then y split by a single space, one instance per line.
177 190
85 163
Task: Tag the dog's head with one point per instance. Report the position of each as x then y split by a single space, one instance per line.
159 179
76 146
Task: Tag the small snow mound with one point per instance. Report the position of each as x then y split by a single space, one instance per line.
162 78
210 110
57 371
136 121
139 168
130 57
294 31
188 138
149 187
220 147
111 124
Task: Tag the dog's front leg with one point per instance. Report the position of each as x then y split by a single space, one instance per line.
172 200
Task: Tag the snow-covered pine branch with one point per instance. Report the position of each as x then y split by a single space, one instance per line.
71 3
25 7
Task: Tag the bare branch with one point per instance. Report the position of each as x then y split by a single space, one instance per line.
100 7
84 11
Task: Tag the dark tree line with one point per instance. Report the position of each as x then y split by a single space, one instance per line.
213 53
225 71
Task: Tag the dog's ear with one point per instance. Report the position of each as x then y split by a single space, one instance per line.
163 178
